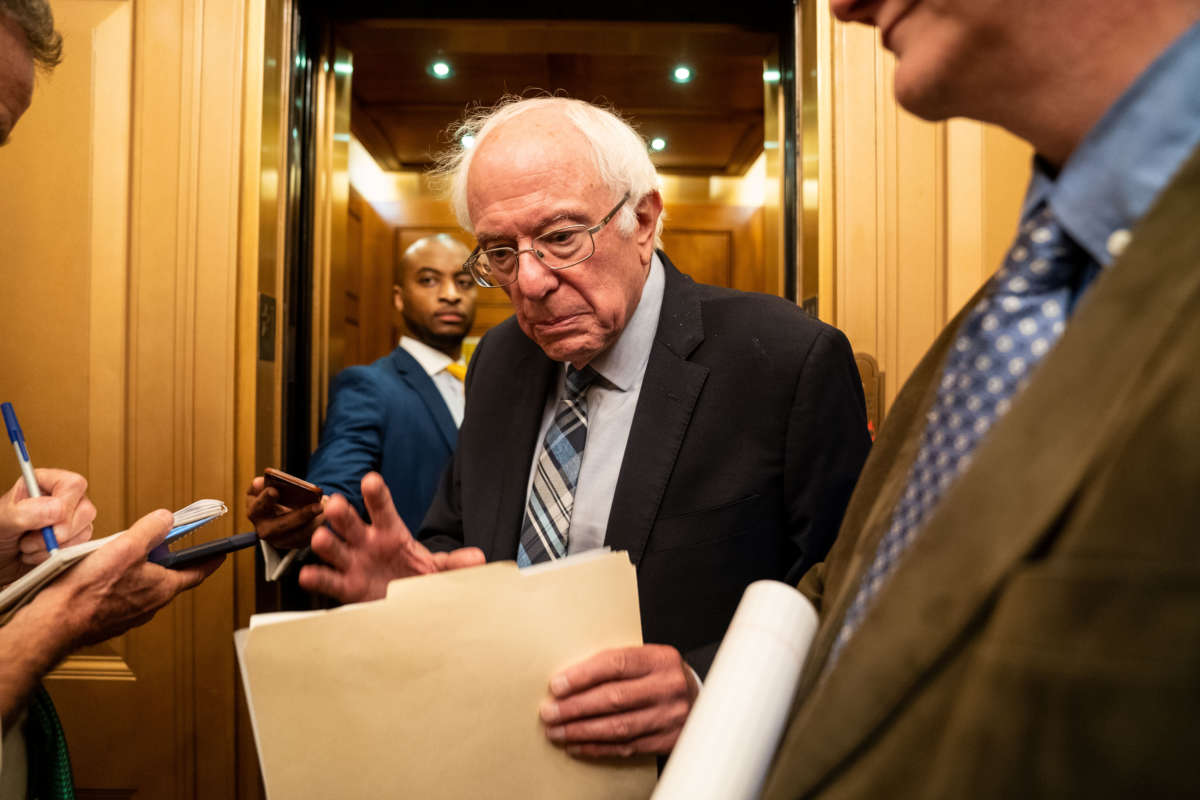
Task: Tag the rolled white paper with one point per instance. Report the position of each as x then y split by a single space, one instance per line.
730 737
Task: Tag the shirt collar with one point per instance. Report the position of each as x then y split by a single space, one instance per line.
623 364
431 360
1129 157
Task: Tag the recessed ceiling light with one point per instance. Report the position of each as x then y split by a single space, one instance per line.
681 74
658 143
467 140
770 76
440 69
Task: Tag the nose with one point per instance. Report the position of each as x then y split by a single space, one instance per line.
450 292
855 10
534 278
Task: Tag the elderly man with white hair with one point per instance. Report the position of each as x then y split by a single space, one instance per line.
714 435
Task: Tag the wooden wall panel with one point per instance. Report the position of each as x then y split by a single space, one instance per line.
914 216
50 249
122 218
707 255
736 230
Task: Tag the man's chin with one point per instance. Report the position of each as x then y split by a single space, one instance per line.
926 91
454 332
576 350
442 339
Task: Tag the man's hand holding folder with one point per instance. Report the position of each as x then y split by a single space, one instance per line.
623 702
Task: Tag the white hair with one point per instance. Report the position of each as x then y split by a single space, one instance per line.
618 152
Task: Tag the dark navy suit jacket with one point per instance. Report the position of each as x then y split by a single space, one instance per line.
389 417
748 437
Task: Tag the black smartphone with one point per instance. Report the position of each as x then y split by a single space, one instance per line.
293 492
174 559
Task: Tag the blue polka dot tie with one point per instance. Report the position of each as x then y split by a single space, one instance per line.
552 495
1016 322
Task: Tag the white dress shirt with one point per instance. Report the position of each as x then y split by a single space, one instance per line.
611 403
434 362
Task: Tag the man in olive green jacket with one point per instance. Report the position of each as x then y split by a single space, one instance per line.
1032 628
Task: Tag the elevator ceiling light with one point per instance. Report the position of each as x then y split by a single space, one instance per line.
440 70
468 141
770 76
681 74
658 144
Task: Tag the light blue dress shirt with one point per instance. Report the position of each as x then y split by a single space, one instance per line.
611 405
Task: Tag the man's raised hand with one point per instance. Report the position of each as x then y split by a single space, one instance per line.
367 557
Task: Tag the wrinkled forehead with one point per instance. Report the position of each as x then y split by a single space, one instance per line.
535 152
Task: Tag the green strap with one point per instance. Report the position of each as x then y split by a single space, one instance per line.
49 763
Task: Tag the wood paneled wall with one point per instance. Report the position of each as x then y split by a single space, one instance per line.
370 270
121 225
913 216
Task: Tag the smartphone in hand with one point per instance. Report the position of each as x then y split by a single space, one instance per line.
176 559
293 492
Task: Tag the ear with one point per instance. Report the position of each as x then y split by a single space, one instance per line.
648 210
397 298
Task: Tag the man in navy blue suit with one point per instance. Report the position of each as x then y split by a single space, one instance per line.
398 416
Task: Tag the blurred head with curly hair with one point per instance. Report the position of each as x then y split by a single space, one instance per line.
27 39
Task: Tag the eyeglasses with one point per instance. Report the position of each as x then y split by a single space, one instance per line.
558 249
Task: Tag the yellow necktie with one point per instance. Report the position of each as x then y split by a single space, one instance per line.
457 370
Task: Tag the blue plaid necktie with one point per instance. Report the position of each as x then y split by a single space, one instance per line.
552 496
1016 322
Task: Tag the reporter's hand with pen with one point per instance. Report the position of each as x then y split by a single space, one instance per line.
64 506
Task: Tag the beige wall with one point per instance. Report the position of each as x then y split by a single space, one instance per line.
913 216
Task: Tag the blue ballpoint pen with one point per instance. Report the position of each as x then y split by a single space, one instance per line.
18 440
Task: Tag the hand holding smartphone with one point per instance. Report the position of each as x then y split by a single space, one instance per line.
293 492
288 521
175 559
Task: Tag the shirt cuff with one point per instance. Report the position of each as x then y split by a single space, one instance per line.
276 563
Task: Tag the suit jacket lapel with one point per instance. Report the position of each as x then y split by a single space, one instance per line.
516 421
1022 478
669 392
412 373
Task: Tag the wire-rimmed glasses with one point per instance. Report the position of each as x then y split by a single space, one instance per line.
557 249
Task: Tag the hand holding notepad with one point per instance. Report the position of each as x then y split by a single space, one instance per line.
22 590
114 588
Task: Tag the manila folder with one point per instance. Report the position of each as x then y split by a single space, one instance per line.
434 691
